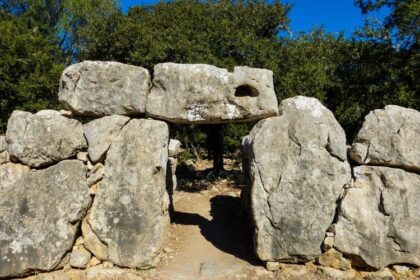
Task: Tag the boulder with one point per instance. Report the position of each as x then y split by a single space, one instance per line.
99 88
99 134
198 93
39 217
43 138
298 167
389 137
379 217
129 215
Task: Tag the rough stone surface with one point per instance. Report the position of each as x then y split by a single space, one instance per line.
389 137
174 147
43 138
39 216
334 259
99 134
379 218
4 157
80 257
171 173
198 93
98 88
130 212
96 174
10 173
338 274
298 167
3 144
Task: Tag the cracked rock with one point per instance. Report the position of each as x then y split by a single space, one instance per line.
389 137
99 134
100 88
199 93
39 216
298 168
379 217
129 215
43 138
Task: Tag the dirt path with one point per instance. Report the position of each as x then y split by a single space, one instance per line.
207 236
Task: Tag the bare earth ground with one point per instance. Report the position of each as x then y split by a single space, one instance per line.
209 238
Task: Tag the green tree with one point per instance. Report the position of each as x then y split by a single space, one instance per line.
29 69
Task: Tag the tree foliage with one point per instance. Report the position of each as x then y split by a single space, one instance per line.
377 66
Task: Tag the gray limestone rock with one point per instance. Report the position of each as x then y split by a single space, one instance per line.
100 88
389 137
199 93
39 217
174 147
297 169
79 257
43 138
129 214
99 134
379 217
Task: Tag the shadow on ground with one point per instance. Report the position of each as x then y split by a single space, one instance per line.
229 230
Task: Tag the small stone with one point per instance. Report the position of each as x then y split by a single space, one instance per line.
333 258
80 257
167 250
328 243
108 264
295 270
94 261
79 241
329 234
94 188
83 156
400 269
66 113
383 274
96 174
338 274
4 157
272 266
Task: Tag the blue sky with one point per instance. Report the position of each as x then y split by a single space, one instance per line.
334 15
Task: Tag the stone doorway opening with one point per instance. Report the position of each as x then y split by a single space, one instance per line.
210 232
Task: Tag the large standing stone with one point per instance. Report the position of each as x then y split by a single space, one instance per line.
298 170
39 217
130 211
98 88
43 138
100 132
379 217
198 93
389 137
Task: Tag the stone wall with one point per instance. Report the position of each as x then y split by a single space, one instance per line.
309 201
73 193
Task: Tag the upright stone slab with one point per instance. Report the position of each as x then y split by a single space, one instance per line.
389 137
379 217
130 211
298 167
43 138
99 88
40 211
198 93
